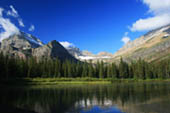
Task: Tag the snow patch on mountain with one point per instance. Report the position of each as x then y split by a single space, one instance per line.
93 57
86 57
33 39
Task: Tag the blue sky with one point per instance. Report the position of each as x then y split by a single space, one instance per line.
93 25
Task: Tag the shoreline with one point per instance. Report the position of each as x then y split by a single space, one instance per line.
56 81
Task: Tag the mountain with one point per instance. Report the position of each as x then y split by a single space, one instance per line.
74 51
53 50
26 45
21 41
88 56
153 46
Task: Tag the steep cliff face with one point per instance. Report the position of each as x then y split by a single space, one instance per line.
52 50
155 45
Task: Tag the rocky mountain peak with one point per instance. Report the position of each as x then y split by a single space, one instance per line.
87 53
54 43
147 46
88 56
25 45
105 54
21 41
53 50
32 38
74 51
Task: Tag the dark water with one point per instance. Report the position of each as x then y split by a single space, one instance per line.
113 98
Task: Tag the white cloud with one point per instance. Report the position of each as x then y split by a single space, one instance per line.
21 22
66 44
151 23
157 6
8 27
12 12
32 28
125 38
160 9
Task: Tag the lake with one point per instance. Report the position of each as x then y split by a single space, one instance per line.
83 98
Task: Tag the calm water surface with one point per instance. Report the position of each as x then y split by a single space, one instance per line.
112 98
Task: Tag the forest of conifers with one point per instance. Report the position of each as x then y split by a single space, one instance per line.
11 67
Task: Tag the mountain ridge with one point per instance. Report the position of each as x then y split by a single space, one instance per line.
26 45
85 55
147 47
152 46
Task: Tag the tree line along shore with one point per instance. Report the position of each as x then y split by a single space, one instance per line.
15 68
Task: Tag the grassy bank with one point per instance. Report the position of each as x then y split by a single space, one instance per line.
55 81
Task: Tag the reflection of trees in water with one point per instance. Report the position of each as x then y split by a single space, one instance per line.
63 98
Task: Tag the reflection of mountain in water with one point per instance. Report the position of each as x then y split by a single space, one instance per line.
88 103
93 105
97 109
130 98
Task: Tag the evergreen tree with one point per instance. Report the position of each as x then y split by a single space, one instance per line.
109 70
101 70
123 69
64 69
14 67
57 67
85 70
90 70
114 71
